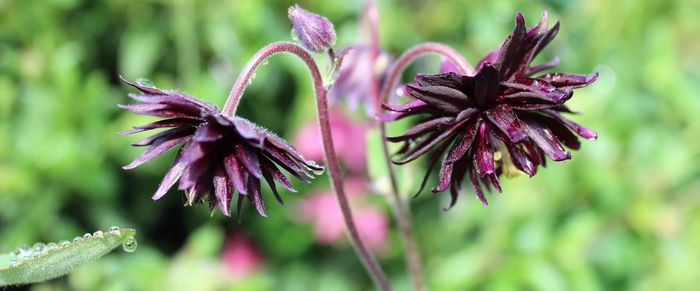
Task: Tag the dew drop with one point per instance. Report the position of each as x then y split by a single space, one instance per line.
114 229
98 233
77 238
39 247
130 245
13 262
64 243
24 252
51 247
87 235
145 83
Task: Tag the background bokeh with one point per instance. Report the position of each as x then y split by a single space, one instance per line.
623 214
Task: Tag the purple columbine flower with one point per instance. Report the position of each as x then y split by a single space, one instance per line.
502 118
313 31
219 154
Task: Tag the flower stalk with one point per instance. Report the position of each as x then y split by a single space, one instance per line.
401 209
320 91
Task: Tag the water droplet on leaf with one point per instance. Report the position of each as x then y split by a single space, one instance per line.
77 238
64 243
87 235
145 83
98 233
24 252
39 247
51 247
114 229
130 245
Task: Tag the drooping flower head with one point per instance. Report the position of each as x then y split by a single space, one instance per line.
313 31
219 155
505 117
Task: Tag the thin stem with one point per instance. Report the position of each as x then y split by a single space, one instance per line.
418 51
366 256
401 209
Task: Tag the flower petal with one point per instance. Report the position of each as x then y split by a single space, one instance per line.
441 98
579 129
546 141
477 187
569 80
508 57
483 154
249 158
172 122
171 177
486 84
423 128
520 160
222 189
236 174
254 186
158 146
505 119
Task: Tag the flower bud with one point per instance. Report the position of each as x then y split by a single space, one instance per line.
313 31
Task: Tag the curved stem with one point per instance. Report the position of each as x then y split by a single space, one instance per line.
417 51
401 209
366 256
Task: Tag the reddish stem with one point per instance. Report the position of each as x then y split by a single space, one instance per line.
366 256
401 209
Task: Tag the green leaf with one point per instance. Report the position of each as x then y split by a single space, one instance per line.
50 261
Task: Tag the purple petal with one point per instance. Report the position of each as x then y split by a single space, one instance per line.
546 141
174 132
427 144
270 168
541 67
254 186
486 84
170 178
172 122
158 146
207 132
464 143
505 119
569 80
236 174
508 57
407 107
423 128
520 160
579 129
483 154
249 131
439 97
250 160
477 187
271 182
449 79
222 190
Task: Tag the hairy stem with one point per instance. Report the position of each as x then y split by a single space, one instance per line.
401 209
366 256
381 96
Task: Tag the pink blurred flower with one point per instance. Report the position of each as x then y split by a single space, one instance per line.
323 211
240 256
348 137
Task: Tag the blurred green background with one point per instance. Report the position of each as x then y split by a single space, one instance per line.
624 214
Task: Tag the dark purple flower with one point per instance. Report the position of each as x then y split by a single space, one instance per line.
219 154
502 118
313 31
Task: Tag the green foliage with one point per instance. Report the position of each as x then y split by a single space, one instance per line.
45 262
623 214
